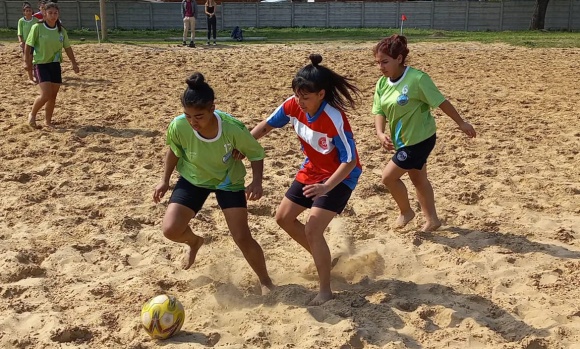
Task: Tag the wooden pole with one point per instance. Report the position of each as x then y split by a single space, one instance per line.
103 15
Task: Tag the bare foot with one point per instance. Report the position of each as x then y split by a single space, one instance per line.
32 121
321 298
404 219
431 226
193 248
267 288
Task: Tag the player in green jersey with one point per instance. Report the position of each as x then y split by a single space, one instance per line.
403 100
201 142
25 24
48 38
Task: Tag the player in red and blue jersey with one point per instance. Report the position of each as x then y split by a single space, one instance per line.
331 169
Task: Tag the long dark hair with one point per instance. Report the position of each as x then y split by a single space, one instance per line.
339 91
50 5
198 93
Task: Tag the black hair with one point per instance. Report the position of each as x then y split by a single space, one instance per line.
198 93
26 5
50 5
338 89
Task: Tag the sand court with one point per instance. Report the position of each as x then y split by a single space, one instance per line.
82 246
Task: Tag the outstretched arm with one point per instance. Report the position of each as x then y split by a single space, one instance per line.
261 129
464 126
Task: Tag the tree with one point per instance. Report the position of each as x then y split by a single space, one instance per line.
539 15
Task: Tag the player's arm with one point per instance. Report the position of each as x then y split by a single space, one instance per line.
169 164
380 126
71 56
261 129
450 110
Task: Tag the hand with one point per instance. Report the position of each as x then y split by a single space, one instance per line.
254 191
31 77
75 67
467 129
386 142
237 155
22 44
160 190
314 191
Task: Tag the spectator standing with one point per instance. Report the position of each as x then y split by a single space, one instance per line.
189 14
210 7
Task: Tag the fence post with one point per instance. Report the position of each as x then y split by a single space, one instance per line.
432 14
257 15
398 14
327 14
362 20
115 15
292 14
223 11
467 15
79 18
501 16
151 25
6 14
570 15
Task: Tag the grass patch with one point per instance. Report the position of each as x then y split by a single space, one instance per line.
275 35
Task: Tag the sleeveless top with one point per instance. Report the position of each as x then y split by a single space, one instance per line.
211 9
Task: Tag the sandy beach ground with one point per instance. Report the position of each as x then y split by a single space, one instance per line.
82 249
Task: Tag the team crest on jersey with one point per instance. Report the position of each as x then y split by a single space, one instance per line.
322 143
402 155
229 149
403 99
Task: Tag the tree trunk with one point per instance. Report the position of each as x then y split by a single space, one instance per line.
539 15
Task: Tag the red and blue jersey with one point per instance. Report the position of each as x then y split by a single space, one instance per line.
326 139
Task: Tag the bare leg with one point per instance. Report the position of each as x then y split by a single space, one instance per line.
286 217
317 222
39 102
426 198
392 180
50 103
176 228
237 220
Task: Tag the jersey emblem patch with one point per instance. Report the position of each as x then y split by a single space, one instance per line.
403 99
322 143
402 155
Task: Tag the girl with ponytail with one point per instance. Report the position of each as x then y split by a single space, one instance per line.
331 169
46 60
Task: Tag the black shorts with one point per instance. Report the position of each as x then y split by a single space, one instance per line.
194 197
413 157
49 72
335 200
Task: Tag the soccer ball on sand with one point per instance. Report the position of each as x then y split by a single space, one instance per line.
162 316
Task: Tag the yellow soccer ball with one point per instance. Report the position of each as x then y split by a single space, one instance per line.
162 316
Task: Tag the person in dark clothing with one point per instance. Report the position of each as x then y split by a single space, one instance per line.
210 8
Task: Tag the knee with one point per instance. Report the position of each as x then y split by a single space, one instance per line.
172 231
388 180
419 181
282 219
243 239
